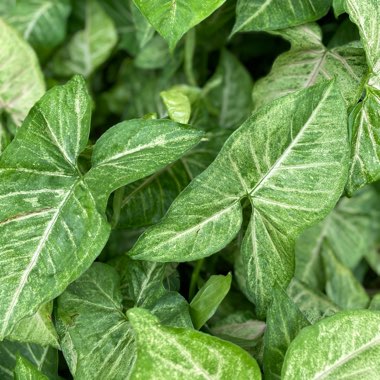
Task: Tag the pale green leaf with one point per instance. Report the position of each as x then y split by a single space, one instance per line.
230 95
257 15
274 159
178 105
44 358
344 346
284 322
311 62
41 22
204 304
134 149
313 304
47 207
375 303
172 19
37 329
89 47
96 338
351 230
21 80
341 285
167 352
25 370
366 15
365 140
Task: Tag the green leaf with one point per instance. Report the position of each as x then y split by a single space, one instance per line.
134 149
366 15
274 159
48 208
309 62
178 105
341 285
172 19
284 322
144 31
351 230
257 15
88 48
37 329
164 352
313 304
343 346
44 358
96 338
231 78
338 6
34 20
25 370
375 303
27 80
145 202
204 304
155 54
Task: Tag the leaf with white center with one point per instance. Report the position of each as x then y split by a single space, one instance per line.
309 63
96 337
204 304
284 322
52 217
21 80
344 346
44 358
168 352
25 370
134 149
172 19
258 15
366 15
289 159
232 79
341 285
89 47
37 329
351 230
145 202
41 22
313 304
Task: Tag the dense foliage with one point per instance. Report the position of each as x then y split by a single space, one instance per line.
188 189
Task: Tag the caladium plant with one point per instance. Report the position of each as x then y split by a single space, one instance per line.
188 189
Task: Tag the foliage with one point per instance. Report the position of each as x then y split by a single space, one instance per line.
189 189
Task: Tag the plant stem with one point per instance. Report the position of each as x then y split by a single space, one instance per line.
194 278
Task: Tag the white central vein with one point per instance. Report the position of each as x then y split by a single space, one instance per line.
34 260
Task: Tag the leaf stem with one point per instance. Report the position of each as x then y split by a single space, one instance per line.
189 55
194 278
117 205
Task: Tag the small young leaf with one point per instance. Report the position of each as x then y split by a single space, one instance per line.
19 64
172 19
257 15
284 322
25 370
208 298
178 353
342 346
288 190
177 104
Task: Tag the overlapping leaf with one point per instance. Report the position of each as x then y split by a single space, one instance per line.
172 19
164 352
279 166
21 81
309 62
52 218
25 370
276 14
346 345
